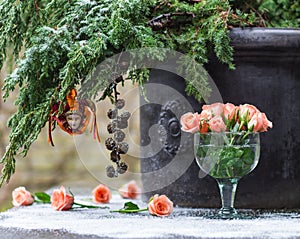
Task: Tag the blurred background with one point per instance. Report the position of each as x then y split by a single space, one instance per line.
75 162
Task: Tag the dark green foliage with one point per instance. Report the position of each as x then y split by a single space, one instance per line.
232 157
64 41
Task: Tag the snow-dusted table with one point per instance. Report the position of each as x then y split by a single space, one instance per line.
40 221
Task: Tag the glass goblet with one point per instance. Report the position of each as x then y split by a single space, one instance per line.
227 157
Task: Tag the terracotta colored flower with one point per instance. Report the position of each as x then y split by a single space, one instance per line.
101 194
204 126
160 205
21 197
60 200
216 124
216 109
190 122
230 111
130 190
259 122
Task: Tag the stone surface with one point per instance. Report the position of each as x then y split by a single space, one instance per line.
41 221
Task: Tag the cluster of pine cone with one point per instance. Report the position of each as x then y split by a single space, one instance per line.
115 143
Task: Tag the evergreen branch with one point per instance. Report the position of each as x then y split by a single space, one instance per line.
64 41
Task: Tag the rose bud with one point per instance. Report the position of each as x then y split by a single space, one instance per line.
101 194
60 200
129 190
22 197
160 205
190 122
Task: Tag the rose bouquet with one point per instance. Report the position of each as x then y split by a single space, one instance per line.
228 143
220 117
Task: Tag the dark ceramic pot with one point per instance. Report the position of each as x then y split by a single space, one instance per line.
267 75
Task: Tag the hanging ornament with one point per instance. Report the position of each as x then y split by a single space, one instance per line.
116 144
75 117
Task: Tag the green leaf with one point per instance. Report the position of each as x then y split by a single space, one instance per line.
236 127
130 206
42 197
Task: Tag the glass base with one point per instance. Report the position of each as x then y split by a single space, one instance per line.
228 213
241 215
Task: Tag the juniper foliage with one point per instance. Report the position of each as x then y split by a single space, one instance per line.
58 43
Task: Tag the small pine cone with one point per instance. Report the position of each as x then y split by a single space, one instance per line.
122 124
119 135
115 156
111 127
120 103
112 113
110 143
122 168
122 148
110 171
125 115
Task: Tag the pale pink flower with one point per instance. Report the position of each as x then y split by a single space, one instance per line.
160 205
190 122
259 122
216 109
130 190
60 200
22 197
216 124
230 111
247 111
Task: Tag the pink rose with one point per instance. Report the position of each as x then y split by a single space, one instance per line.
190 122
101 194
160 205
216 109
130 190
259 122
205 115
230 111
60 200
217 124
21 197
247 111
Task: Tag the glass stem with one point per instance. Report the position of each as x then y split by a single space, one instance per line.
227 190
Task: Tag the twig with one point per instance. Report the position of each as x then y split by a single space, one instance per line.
262 20
167 20
37 8
192 1
166 3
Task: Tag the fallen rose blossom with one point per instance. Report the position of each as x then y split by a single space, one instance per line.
22 197
160 205
60 200
130 190
101 194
